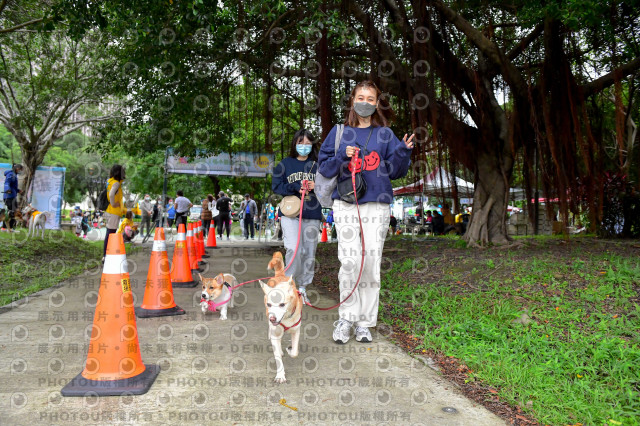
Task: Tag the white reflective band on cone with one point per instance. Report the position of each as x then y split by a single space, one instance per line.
115 264
190 233
182 237
159 245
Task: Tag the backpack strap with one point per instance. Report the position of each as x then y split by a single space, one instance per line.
339 132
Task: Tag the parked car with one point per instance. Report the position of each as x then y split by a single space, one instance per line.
194 212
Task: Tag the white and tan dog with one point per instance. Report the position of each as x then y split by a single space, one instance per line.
35 220
217 293
284 312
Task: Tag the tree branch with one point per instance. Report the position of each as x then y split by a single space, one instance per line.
17 27
525 42
487 47
607 80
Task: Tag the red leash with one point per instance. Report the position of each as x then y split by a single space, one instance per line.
295 253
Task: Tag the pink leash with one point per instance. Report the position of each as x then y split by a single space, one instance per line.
212 306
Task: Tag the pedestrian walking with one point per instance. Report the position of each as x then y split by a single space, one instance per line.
116 207
183 205
171 212
206 216
146 207
224 207
10 194
249 208
381 158
288 177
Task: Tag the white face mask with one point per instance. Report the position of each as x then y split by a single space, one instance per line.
146 198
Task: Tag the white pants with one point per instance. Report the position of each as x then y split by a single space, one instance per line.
304 264
362 307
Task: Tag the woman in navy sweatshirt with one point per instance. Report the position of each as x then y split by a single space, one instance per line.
301 165
382 157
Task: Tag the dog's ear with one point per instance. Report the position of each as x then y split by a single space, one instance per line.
201 279
220 279
264 286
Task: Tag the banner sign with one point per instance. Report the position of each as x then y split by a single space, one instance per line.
46 191
227 164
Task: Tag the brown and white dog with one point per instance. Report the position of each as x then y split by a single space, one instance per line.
217 293
35 220
284 312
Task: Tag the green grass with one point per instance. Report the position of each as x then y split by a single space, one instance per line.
578 361
28 266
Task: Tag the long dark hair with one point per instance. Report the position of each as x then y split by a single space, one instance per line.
301 134
117 172
383 116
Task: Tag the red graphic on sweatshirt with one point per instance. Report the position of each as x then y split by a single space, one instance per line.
371 162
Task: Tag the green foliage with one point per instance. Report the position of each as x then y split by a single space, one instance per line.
27 266
572 360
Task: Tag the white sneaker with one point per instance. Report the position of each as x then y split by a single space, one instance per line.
342 331
363 334
305 298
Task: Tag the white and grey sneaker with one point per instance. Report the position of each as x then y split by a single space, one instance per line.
305 298
342 330
363 334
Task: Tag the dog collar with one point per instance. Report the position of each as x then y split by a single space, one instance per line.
299 319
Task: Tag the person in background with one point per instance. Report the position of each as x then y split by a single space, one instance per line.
393 223
224 207
437 223
10 194
147 213
250 210
116 208
171 212
215 213
446 214
159 217
299 168
182 209
127 228
429 217
207 215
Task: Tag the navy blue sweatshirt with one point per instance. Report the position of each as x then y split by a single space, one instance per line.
287 179
386 158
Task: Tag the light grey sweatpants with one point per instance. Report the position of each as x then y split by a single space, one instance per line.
304 263
362 307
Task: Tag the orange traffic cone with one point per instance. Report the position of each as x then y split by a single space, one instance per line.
201 240
324 238
196 242
211 239
158 295
181 272
191 250
114 364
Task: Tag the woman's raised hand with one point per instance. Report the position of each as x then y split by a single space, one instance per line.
408 143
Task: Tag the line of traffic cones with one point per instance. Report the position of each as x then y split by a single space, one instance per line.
114 362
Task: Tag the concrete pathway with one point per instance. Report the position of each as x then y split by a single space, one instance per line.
216 371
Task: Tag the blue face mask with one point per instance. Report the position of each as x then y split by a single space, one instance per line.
303 150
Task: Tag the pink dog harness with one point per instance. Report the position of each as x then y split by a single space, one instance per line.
213 305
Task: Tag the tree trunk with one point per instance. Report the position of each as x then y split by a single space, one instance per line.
488 219
324 82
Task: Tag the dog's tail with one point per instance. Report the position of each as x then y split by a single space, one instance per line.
277 264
